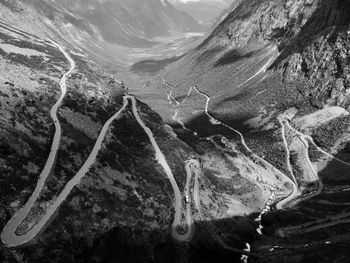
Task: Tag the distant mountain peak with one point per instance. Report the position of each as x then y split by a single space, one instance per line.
205 11
122 22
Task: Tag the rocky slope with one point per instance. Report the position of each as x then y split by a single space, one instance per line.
124 192
114 33
123 207
303 44
266 57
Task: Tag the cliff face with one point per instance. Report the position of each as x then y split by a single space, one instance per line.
301 46
263 22
312 38
318 55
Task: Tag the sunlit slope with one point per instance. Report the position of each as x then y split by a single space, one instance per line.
272 55
115 187
105 30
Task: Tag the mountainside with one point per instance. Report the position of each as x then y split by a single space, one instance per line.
253 165
131 22
271 53
272 70
91 174
128 23
124 192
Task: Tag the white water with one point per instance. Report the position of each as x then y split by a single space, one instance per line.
176 119
272 197
170 96
244 258
264 211
172 99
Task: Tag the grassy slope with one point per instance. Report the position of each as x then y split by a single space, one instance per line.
105 202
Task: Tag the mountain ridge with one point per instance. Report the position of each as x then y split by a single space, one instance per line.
110 20
253 30
253 168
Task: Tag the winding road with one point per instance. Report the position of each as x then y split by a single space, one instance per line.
170 96
192 167
283 203
159 156
286 202
215 121
315 145
8 235
293 198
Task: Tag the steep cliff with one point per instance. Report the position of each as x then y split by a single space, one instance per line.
292 51
266 57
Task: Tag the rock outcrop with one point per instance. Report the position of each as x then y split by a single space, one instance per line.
304 43
312 37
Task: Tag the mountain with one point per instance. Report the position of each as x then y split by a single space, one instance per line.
278 71
132 23
65 122
89 173
205 11
251 166
267 53
111 32
129 22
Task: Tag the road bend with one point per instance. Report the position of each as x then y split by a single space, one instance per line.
215 121
315 145
311 169
8 236
284 203
159 156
